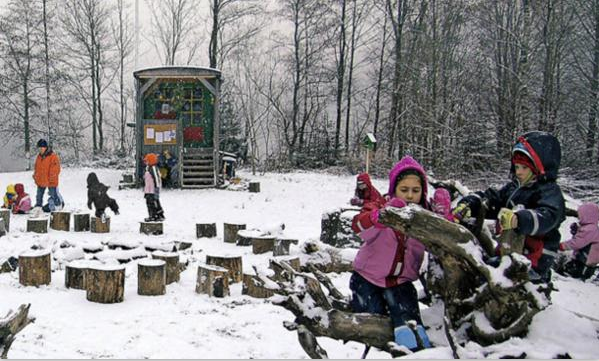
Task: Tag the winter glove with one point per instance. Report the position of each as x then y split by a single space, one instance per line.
506 218
356 201
573 228
396 202
461 212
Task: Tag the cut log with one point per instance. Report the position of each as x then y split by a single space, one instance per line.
172 265
282 246
151 277
230 231
127 178
244 236
232 263
37 225
5 213
74 274
256 286
213 281
10 325
281 273
263 244
60 221
34 268
151 228
254 187
97 226
207 230
9 265
2 228
335 228
105 283
81 222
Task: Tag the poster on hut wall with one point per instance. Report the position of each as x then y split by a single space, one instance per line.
156 134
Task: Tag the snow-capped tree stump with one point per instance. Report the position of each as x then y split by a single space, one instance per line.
207 230
244 237
254 187
105 283
74 275
281 247
37 225
231 263
213 281
263 244
10 325
2 228
81 222
151 228
5 214
60 221
256 286
230 231
172 265
97 226
151 277
34 268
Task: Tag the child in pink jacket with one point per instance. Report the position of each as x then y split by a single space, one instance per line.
584 242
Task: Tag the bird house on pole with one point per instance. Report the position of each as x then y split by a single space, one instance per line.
369 142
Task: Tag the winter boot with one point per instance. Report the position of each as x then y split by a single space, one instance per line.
405 337
423 336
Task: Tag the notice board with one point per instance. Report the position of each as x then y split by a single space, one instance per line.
156 134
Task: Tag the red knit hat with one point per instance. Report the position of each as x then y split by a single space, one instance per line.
151 159
521 158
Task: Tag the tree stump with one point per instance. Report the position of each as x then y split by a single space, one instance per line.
335 228
2 228
81 222
255 286
244 237
105 283
281 274
232 263
37 225
230 231
207 230
5 213
282 246
74 274
60 221
34 268
97 226
151 228
254 187
151 277
127 178
172 265
263 244
213 281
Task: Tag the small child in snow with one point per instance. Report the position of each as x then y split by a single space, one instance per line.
584 242
441 204
152 185
97 194
22 204
10 196
365 192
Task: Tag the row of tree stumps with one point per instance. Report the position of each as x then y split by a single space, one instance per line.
61 221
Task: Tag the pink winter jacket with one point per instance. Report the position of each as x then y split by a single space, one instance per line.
588 232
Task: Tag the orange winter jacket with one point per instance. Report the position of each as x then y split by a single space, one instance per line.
47 169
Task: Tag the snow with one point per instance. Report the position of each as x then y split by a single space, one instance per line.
184 324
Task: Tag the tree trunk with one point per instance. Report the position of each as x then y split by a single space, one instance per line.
151 228
60 221
97 226
34 268
151 277
207 230
81 221
74 275
105 284
37 225
230 231
263 244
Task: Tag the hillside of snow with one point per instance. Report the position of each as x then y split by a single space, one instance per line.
184 324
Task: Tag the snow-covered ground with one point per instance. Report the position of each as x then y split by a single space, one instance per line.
184 324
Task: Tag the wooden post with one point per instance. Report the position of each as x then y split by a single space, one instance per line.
282 246
151 228
172 265
37 225
81 222
254 187
5 213
262 244
74 274
151 277
60 221
255 286
105 283
232 263
213 281
97 226
230 231
207 230
34 268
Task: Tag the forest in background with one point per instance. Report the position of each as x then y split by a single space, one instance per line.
452 82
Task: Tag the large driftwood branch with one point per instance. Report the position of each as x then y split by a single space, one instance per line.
12 324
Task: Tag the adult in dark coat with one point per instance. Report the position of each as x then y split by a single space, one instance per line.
533 206
96 195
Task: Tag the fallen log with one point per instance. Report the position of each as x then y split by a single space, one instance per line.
10 325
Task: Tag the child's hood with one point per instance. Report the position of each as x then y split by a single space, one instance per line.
406 163
20 189
588 213
11 189
544 150
92 179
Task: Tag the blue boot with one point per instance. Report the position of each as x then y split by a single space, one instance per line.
423 336
405 337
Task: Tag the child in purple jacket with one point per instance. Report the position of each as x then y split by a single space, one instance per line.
388 261
584 242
